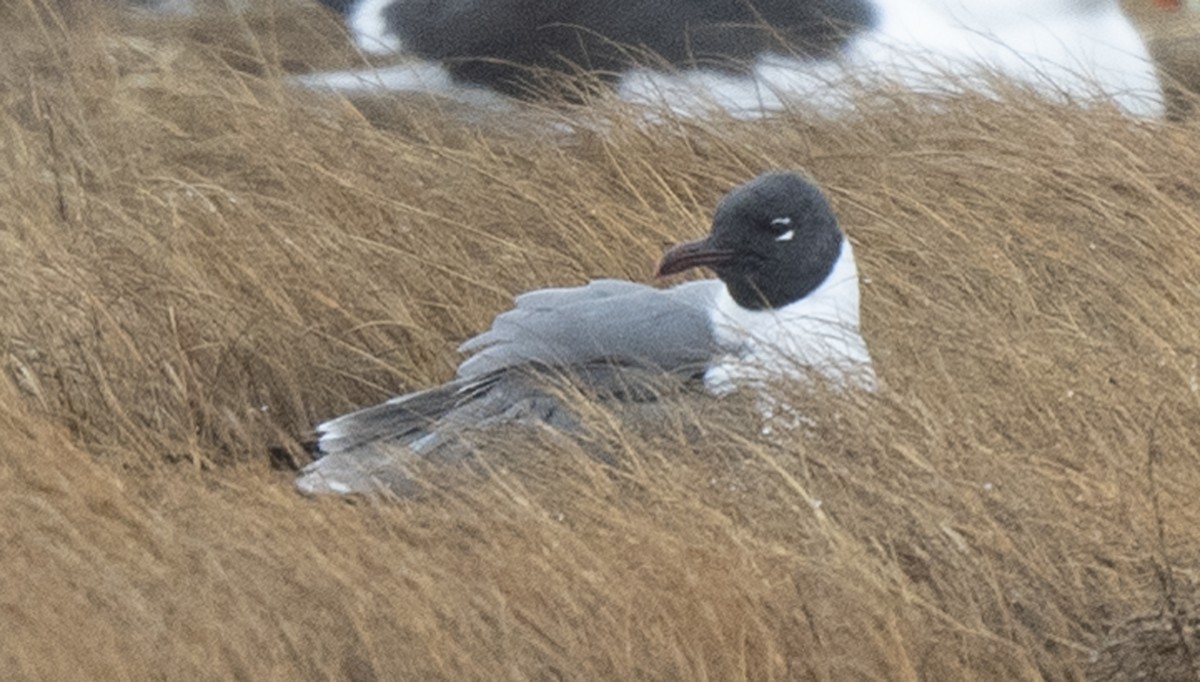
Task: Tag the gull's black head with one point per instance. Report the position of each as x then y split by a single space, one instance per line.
773 241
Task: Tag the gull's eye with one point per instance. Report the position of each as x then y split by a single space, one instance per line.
783 229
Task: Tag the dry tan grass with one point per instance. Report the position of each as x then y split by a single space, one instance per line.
197 263
1173 38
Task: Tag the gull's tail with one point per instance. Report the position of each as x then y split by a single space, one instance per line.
372 450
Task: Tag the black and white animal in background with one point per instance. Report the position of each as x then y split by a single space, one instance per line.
784 306
751 57
494 42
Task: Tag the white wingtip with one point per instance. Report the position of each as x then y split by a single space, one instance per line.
369 25
408 77
313 480
429 78
330 436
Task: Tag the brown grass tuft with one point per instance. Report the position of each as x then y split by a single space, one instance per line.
198 262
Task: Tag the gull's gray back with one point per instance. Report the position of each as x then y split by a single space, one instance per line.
619 321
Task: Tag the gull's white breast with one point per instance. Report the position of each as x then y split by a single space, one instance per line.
817 334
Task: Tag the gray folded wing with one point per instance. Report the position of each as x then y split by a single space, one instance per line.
606 319
612 336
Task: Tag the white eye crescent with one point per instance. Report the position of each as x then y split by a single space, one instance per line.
783 222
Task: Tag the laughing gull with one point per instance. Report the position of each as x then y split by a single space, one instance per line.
784 306
754 58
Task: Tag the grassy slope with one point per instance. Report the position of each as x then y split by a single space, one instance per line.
197 263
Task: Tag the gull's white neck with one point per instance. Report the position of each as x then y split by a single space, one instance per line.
817 334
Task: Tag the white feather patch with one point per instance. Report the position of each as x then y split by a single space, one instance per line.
368 23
